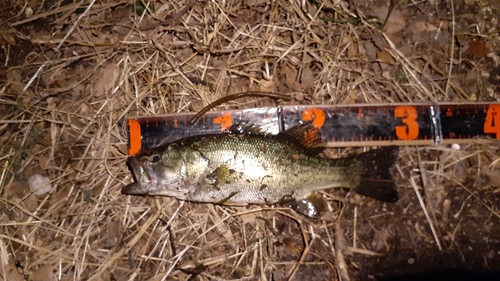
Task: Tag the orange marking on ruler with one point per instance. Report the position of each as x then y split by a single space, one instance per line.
409 115
316 115
135 138
225 121
492 121
448 112
360 114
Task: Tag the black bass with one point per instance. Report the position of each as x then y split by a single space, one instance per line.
247 166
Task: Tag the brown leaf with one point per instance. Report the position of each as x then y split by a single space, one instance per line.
395 39
248 217
17 189
14 77
6 34
120 274
394 23
352 50
369 49
291 79
10 272
494 177
307 78
44 161
385 57
113 234
477 47
421 26
426 32
43 273
31 202
107 78
379 41
31 169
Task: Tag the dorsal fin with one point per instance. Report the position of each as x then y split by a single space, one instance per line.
304 136
246 129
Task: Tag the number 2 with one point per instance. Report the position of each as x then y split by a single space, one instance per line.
316 115
492 122
410 130
225 121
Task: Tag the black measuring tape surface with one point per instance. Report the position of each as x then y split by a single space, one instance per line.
340 125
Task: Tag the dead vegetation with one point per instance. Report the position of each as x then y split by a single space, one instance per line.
73 70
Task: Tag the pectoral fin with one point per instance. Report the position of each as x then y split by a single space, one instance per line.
313 206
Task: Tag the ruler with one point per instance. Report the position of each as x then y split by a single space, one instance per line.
340 125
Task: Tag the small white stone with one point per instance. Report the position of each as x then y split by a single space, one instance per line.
411 261
39 184
28 12
455 146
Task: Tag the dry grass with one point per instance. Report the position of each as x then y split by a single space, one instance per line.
62 112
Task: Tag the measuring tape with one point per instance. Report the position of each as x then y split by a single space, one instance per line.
340 125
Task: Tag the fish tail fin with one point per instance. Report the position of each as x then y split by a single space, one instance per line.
376 174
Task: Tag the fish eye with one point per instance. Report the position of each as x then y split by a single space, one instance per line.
155 158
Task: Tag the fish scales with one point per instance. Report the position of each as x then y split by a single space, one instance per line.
262 170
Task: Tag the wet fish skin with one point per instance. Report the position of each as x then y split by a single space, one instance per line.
249 167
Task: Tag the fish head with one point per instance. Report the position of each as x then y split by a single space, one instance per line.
158 173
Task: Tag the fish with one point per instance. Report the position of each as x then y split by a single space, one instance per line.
246 165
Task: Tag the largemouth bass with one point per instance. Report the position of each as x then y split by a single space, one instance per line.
247 166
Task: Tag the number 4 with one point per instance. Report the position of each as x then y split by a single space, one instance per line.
492 122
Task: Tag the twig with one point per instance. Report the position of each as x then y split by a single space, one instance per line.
233 97
339 256
452 49
427 216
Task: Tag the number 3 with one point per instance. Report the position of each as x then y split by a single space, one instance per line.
409 115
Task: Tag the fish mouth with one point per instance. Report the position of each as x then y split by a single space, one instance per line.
148 181
144 175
